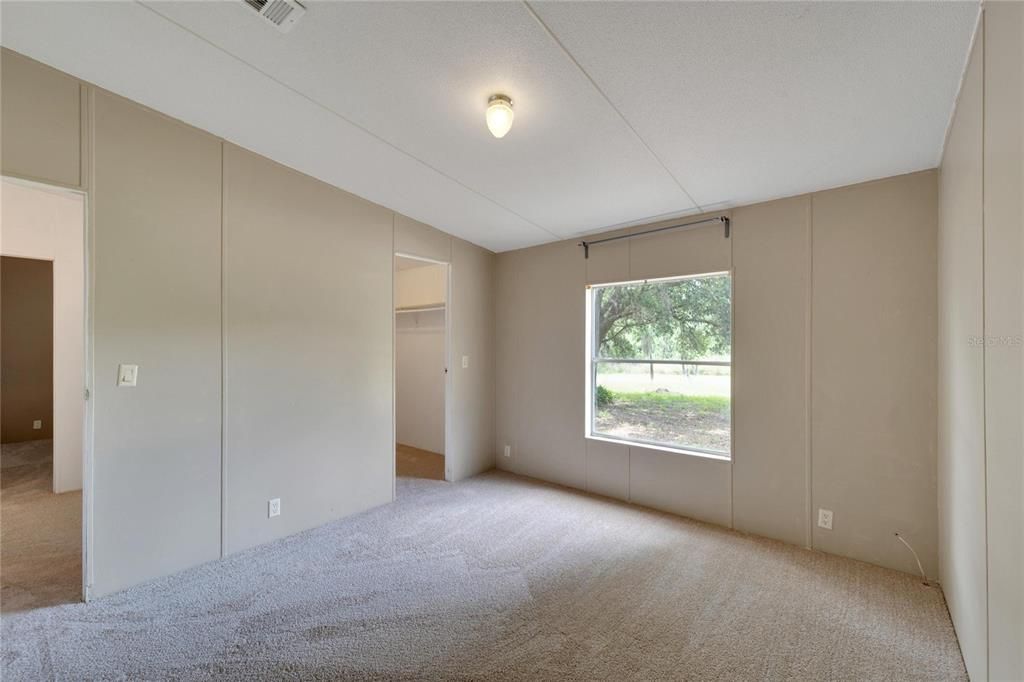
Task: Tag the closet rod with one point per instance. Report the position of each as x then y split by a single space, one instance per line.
424 309
717 219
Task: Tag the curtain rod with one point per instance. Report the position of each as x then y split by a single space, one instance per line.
717 219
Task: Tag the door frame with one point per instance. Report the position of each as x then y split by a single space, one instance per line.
449 470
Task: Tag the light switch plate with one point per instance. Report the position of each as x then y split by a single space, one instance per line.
465 362
127 375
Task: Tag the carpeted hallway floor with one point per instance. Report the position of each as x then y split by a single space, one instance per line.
40 533
412 462
502 578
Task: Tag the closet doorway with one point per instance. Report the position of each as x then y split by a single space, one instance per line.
421 367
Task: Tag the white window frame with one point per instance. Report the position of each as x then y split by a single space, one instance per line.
592 362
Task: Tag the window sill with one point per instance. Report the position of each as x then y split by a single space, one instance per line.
660 448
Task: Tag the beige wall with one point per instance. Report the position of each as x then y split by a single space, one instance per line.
307 351
49 223
873 356
819 419
41 123
981 363
961 412
26 346
1004 331
156 264
772 261
258 305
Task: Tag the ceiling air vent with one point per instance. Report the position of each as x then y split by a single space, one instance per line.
281 13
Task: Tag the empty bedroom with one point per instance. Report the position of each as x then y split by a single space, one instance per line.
512 340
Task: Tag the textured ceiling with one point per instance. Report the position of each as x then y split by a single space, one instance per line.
624 112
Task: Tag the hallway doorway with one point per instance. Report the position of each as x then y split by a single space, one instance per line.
42 391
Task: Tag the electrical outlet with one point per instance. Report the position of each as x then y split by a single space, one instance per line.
825 518
508 450
274 507
37 424
465 362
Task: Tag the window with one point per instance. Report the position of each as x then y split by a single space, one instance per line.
660 356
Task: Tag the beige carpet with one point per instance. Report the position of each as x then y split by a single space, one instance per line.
40 533
502 578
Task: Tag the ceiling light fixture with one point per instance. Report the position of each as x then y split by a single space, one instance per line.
499 115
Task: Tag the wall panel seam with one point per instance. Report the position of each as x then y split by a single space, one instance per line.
629 474
984 345
808 383
223 367
83 123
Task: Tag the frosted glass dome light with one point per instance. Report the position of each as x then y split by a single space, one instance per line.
499 115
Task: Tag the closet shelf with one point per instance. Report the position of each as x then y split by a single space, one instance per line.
421 308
